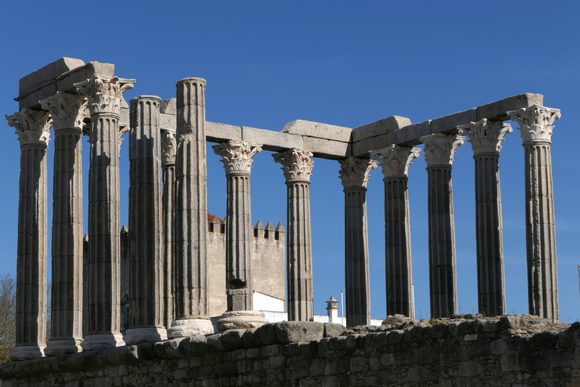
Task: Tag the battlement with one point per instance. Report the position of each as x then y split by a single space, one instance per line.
217 225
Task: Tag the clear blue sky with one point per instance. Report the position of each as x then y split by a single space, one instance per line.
341 62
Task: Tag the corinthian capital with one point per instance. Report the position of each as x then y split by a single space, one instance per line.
395 160
440 148
32 126
486 136
104 94
66 110
297 164
168 147
355 172
536 123
237 156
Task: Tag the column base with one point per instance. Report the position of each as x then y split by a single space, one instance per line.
103 340
240 319
63 346
190 327
145 335
27 352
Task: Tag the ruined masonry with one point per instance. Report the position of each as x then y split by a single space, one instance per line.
169 274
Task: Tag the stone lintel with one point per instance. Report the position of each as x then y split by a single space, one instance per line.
380 127
409 135
65 81
318 130
47 73
497 111
331 142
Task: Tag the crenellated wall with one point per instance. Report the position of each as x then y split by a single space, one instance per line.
268 262
507 351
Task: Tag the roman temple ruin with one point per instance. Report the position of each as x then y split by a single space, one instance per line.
169 275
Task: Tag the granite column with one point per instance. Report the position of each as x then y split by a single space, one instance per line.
68 112
33 130
104 97
395 161
486 139
145 224
297 166
191 299
237 157
536 124
439 151
354 175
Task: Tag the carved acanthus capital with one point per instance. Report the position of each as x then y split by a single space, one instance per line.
395 160
104 94
168 147
355 172
536 123
486 136
237 156
32 126
67 110
297 164
440 148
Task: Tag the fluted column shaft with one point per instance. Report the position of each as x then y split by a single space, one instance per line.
395 161
145 223
191 202
439 151
237 159
486 139
33 131
104 218
536 126
442 261
238 233
68 112
168 148
489 239
297 166
354 175
398 247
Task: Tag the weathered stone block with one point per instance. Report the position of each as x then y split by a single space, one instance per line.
215 131
497 110
47 73
326 148
450 122
298 331
333 330
380 127
271 140
319 130
232 339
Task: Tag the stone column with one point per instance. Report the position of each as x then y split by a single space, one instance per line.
146 285
439 151
354 174
297 166
395 161
33 130
191 299
168 148
104 238
536 124
237 157
68 112
486 139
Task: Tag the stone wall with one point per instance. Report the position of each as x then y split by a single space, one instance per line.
268 263
508 351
